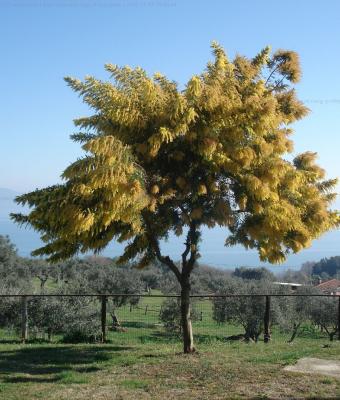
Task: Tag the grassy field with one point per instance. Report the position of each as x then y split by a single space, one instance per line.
146 363
159 371
143 324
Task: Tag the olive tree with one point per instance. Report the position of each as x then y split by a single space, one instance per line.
324 313
241 304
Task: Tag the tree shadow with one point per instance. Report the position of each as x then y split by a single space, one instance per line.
31 379
173 337
138 324
53 360
10 341
206 338
160 337
30 341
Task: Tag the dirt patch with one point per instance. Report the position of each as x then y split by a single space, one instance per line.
316 366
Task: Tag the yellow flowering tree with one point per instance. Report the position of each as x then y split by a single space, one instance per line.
161 160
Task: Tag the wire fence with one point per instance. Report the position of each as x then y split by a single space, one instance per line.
121 318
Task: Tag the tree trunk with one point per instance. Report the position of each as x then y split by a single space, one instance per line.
339 318
24 319
103 318
188 339
331 335
295 331
49 334
115 321
267 321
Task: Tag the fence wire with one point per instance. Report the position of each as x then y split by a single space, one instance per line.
156 318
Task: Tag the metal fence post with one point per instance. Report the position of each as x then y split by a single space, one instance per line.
103 318
24 319
266 337
339 318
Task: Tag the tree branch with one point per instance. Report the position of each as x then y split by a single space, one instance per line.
191 245
277 85
163 259
271 73
186 251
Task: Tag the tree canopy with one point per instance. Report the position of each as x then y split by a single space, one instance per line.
327 266
14 271
160 160
254 274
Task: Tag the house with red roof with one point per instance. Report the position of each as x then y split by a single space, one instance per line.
330 287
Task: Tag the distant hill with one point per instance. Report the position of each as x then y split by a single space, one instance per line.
329 267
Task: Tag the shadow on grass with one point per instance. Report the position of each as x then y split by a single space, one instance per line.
160 337
31 379
31 341
138 324
47 360
168 337
9 341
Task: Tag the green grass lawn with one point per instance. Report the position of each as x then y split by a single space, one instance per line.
50 285
158 370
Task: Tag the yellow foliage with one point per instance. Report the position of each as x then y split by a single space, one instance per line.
258 208
196 213
213 187
242 202
153 205
155 189
202 190
194 87
218 148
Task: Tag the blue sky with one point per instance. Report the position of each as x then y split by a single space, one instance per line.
44 40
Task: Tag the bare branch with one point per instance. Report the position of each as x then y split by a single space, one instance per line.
277 85
155 247
271 73
187 250
191 245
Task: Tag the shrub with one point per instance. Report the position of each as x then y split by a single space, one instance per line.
170 315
